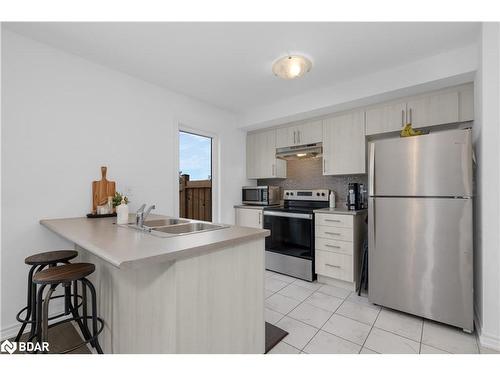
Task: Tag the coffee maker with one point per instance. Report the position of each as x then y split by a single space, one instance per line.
356 196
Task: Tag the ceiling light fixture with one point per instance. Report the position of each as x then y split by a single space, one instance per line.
290 67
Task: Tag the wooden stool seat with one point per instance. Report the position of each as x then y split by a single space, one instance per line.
51 257
63 274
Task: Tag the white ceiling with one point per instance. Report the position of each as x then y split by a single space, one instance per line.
229 64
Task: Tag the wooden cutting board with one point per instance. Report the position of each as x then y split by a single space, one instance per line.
101 190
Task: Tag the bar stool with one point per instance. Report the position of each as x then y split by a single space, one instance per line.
40 261
65 275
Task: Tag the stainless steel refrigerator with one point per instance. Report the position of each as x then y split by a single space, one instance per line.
420 226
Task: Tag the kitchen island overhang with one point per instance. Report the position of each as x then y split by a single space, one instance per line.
196 293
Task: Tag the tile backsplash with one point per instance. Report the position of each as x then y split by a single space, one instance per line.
308 174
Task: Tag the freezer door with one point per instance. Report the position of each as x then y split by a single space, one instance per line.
420 257
436 165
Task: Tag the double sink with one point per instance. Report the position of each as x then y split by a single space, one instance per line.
168 227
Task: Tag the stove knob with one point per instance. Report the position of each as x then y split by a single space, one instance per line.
287 193
323 194
291 193
317 194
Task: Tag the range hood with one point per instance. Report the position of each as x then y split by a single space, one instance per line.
300 152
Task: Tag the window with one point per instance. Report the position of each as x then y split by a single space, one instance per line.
195 176
195 156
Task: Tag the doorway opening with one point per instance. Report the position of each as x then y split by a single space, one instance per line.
195 176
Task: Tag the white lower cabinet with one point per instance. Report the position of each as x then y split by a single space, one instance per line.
249 217
338 242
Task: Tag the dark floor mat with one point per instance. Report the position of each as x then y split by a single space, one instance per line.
273 336
61 337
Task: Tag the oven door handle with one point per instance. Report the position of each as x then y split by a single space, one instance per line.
288 214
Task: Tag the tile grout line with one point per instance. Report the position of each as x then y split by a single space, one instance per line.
347 317
421 337
320 329
368 335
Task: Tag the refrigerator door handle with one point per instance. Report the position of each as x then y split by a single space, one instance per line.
371 172
371 226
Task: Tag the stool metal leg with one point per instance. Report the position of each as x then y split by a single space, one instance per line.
94 314
84 306
38 331
45 314
83 327
34 306
29 312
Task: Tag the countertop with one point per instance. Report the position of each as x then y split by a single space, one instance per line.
127 247
339 211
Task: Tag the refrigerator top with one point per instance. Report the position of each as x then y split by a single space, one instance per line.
434 165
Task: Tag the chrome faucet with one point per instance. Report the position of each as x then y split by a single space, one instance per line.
140 215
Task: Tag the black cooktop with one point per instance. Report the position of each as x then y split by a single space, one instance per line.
299 206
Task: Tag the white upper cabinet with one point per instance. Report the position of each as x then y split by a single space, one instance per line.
386 118
310 132
430 110
261 156
344 144
466 96
447 106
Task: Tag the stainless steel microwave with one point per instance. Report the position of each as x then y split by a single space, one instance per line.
260 195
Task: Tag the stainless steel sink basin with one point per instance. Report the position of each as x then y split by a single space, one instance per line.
164 222
186 228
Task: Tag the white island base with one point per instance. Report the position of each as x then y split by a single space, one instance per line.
210 303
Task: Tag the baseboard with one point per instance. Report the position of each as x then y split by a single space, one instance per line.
338 283
485 340
56 307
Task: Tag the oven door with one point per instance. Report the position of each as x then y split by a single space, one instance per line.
257 196
292 234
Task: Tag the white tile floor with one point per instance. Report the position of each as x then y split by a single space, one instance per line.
326 319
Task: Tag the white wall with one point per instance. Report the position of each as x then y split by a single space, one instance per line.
62 118
487 204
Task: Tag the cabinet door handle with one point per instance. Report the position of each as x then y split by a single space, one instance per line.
332 265
333 234
298 135
402 118
260 218
273 171
294 137
334 246
324 165
334 220
411 119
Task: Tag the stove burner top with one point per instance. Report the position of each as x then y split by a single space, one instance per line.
299 210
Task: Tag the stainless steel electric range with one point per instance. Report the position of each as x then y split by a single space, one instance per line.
290 247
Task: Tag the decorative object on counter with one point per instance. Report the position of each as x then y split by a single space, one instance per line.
363 197
101 191
408 131
97 216
122 211
119 198
331 199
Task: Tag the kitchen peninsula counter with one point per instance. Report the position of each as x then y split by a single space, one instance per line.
191 293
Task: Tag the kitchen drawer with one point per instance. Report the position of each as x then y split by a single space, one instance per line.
337 266
334 233
341 221
344 247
